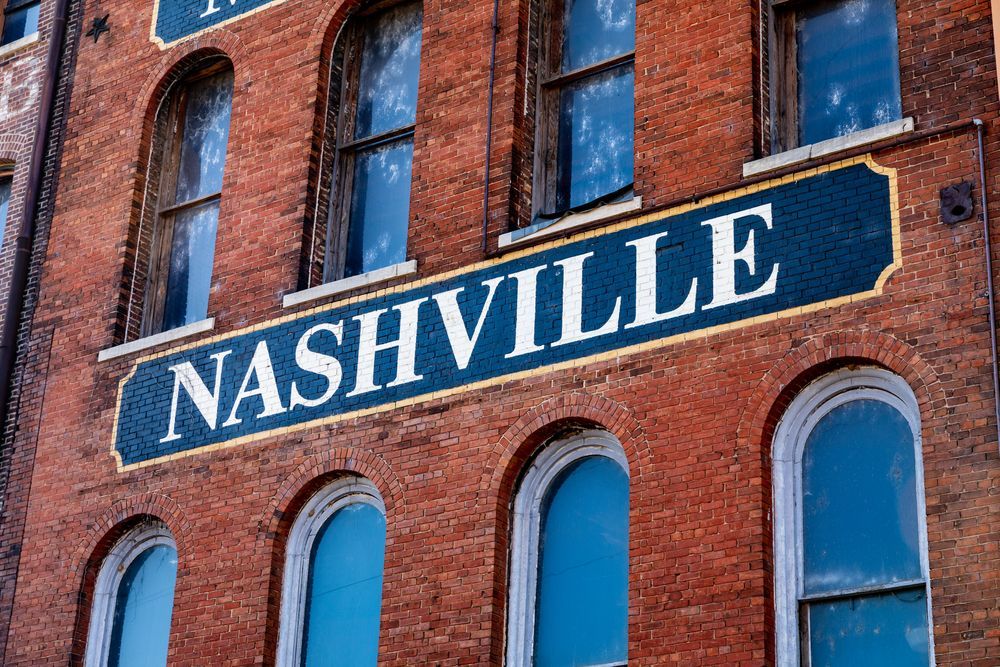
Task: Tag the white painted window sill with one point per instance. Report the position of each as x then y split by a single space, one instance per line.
546 228
822 148
347 284
17 45
140 344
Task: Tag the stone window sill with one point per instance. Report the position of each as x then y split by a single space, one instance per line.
347 284
17 45
822 148
546 228
148 342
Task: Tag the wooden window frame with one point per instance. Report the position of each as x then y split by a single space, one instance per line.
345 146
154 300
20 4
549 84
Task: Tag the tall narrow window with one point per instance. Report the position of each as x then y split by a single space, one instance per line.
850 543
568 602
379 59
20 20
836 69
585 125
332 591
134 600
190 191
6 182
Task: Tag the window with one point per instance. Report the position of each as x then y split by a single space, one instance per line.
585 125
851 571
134 600
195 131
20 20
835 67
6 181
568 603
379 59
331 599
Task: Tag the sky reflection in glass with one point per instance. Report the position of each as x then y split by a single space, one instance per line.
344 596
140 630
595 30
596 125
205 138
390 68
848 67
582 597
5 184
859 506
192 253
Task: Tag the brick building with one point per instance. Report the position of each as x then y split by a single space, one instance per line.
704 376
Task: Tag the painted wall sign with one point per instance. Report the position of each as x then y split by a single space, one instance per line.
801 243
176 20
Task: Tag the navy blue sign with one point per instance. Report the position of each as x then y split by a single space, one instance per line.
173 20
824 238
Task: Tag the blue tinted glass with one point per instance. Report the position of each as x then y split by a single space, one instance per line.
595 30
344 600
848 67
206 136
141 627
380 207
20 23
390 69
582 599
873 630
595 138
4 204
859 505
191 254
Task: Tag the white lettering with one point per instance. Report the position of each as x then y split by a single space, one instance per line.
406 345
212 8
725 256
206 401
462 344
524 318
572 304
318 363
646 286
267 387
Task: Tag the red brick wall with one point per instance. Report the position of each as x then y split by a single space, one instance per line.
695 418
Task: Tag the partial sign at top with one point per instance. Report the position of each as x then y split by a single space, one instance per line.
176 20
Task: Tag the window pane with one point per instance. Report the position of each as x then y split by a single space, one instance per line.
881 629
141 627
191 254
595 30
5 184
848 67
344 599
20 23
206 134
859 505
380 207
582 602
390 68
595 138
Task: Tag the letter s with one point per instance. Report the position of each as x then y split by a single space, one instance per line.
318 363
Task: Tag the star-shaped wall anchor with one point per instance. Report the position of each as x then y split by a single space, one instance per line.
99 27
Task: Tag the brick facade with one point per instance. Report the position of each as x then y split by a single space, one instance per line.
695 417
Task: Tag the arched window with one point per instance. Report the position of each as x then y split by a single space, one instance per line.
373 99
851 572
568 601
584 129
331 596
134 600
185 182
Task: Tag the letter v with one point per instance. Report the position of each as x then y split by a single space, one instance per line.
462 344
